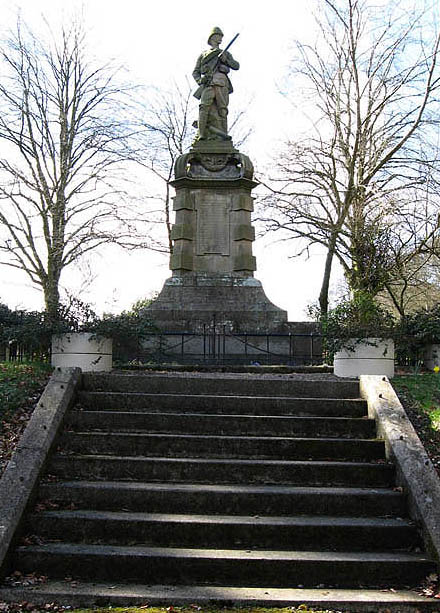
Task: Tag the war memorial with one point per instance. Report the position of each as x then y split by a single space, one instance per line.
213 283
212 490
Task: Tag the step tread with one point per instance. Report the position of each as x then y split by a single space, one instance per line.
228 488
220 423
210 437
213 404
225 554
222 416
295 521
362 600
159 395
221 461
217 382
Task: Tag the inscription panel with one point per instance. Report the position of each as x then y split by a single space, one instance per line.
213 220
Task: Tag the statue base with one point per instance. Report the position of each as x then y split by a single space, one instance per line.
190 302
212 263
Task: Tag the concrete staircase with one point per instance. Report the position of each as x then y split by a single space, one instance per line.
179 488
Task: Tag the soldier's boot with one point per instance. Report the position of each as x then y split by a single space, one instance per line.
203 123
223 115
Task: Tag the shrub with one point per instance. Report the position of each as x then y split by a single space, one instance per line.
352 321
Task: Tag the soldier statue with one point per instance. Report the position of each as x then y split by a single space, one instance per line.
211 74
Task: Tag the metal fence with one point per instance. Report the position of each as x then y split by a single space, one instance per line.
16 352
213 345
219 346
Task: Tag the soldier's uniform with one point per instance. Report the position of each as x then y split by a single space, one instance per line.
215 87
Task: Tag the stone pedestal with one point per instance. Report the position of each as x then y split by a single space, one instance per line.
212 263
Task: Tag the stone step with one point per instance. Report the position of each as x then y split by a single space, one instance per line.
117 594
240 405
238 385
248 486
183 566
224 499
221 424
216 471
193 445
226 531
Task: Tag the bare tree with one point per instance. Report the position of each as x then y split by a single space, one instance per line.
414 252
165 133
63 145
415 284
371 85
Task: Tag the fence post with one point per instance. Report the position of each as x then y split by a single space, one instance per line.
213 335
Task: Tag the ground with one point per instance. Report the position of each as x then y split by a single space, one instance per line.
20 388
51 608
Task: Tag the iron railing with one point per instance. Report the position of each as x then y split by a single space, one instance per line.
219 346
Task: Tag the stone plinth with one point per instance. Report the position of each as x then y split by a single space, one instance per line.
212 262
187 302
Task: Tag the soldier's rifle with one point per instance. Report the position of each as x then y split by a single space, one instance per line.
207 79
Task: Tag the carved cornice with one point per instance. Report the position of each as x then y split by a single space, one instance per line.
208 166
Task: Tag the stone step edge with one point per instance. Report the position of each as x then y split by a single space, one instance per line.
220 416
223 488
379 466
219 397
371 442
245 417
100 594
297 521
227 555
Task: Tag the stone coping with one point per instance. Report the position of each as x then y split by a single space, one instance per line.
20 476
415 471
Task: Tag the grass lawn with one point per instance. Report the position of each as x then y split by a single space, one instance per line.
420 395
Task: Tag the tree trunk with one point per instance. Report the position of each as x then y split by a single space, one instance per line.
52 299
323 294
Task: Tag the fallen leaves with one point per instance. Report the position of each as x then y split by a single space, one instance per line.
29 607
17 578
46 505
31 539
430 587
20 389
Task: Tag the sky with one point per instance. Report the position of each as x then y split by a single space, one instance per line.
159 42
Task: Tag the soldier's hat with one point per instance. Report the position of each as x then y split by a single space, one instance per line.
215 30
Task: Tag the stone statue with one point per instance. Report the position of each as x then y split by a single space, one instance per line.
211 74
212 262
